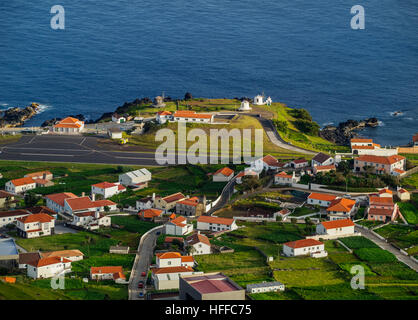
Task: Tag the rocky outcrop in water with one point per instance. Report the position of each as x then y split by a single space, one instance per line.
14 117
127 105
346 130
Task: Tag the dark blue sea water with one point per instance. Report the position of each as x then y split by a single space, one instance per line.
301 52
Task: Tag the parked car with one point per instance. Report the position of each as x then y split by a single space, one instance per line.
143 274
141 294
141 284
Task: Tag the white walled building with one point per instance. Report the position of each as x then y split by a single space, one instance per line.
174 259
193 117
223 175
48 267
178 227
302 247
9 217
335 228
107 189
163 116
211 223
320 199
245 106
322 159
200 244
135 178
56 201
20 185
283 178
35 225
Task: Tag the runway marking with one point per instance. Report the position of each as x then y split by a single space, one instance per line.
82 141
50 155
136 158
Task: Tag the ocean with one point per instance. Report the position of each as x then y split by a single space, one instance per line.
300 52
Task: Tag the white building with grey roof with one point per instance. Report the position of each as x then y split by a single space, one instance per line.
265 287
135 178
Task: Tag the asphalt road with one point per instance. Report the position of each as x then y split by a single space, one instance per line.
142 263
79 149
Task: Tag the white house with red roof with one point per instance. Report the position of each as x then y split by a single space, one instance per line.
336 228
107 189
341 208
283 178
403 194
193 117
68 125
108 273
85 204
163 116
35 225
48 267
199 244
320 199
173 259
368 147
267 162
45 175
223 175
56 201
9 217
91 220
394 165
303 247
299 163
20 185
212 223
178 226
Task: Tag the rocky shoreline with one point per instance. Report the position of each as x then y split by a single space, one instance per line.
345 131
15 117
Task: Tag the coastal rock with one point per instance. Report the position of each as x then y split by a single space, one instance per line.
14 117
126 106
345 131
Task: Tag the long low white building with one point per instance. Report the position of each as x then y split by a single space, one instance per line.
302 247
210 223
48 267
336 228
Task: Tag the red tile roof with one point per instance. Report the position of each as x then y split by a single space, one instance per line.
217 220
297 161
380 200
283 175
47 261
13 213
174 197
39 217
270 160
362 140
337 224
380 212
193 202
179 221
59 198
164 113
325 168
104 185
105 270
187 259
69 122
322 196
225 171
192 114
150 213
38 174
196 238
213 286
22 181
385 191
341 205
381 160
303 243
168 255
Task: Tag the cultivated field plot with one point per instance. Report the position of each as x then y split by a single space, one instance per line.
405 237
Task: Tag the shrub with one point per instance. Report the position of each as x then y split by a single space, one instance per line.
308 127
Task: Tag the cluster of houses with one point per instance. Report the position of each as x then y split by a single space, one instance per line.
381 206
336 207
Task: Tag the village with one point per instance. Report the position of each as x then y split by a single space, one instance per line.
274 228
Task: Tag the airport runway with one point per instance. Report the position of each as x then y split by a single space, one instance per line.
70 149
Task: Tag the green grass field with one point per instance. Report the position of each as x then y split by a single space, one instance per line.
402 236
409 212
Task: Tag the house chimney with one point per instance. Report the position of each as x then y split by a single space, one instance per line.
153 197
198 231
97 214
83 194
61 259
93 197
